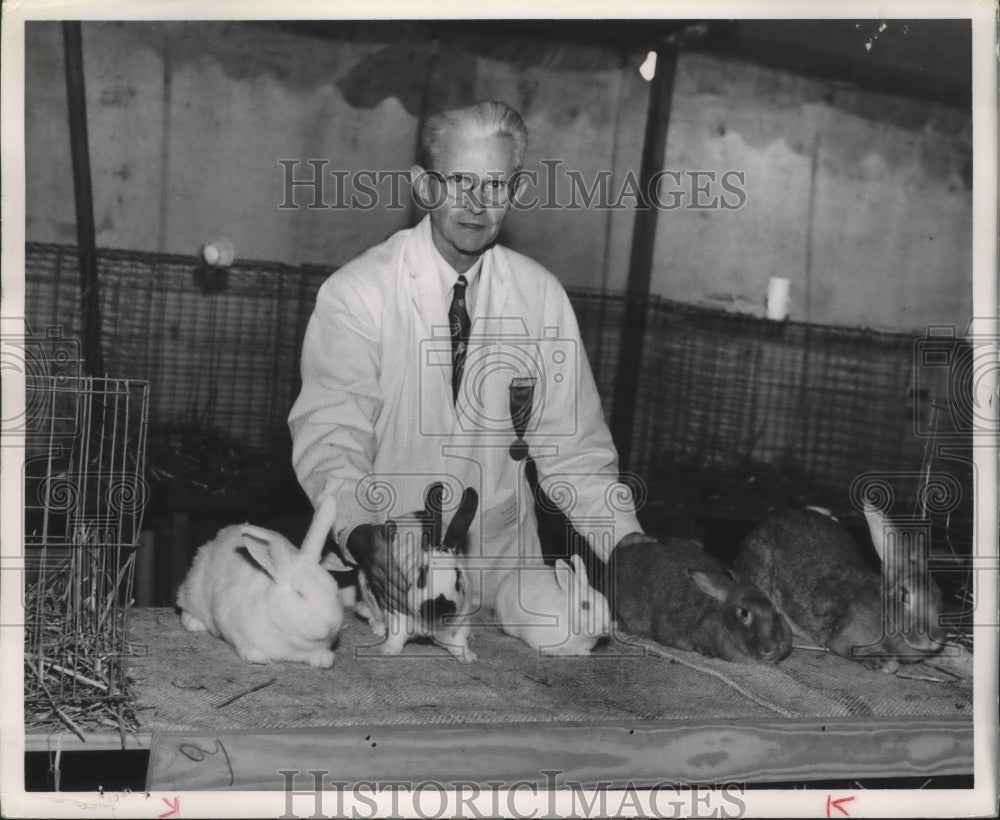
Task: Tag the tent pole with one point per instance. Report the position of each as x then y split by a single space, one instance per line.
641 260
83 195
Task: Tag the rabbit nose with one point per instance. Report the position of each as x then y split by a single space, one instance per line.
773 654
926 643
938 633
436 610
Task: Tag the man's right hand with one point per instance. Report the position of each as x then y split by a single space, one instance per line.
369 545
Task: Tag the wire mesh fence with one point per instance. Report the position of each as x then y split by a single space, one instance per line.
85 494
818 405
799 405
219 347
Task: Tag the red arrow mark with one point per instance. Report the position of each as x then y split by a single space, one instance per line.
836 804
175 807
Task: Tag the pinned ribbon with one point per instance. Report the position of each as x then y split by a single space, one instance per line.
522 394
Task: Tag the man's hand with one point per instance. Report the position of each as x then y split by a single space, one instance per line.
369 544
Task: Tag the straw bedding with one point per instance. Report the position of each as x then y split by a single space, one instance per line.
192 681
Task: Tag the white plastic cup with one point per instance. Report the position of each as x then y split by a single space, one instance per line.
777 298
218 252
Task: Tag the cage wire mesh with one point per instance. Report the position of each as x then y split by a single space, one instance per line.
85 494
219 347
739 413
731 410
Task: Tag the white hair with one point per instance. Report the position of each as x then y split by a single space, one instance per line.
484 119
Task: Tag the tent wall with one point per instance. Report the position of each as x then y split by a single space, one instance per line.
861 199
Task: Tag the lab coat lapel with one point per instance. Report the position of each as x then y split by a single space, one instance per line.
491 301
494 285
421 276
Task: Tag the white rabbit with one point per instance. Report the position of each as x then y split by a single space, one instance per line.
439 595
270 601
552 609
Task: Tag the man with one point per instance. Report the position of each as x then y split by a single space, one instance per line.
431 354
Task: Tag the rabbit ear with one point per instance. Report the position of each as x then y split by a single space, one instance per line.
714 584
319 529
463 519
268 549
878 528
432 509
563 572
579 571
823 511
259 533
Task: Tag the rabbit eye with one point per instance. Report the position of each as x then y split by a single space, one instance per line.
743 614
585 605
299 593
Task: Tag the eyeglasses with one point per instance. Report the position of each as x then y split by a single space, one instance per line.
484 192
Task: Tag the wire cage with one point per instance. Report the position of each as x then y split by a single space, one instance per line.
221 354
734 413
84 497
741 413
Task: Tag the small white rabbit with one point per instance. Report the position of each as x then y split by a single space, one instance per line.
270 601
552 609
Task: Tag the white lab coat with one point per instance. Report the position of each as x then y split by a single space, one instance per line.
375 423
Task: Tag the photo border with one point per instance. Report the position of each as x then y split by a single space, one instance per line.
878 803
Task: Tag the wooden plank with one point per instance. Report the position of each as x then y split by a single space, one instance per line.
93 742
644 754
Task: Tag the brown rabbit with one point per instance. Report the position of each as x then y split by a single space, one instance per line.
819 579
677 594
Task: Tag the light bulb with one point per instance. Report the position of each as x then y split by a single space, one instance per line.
648 67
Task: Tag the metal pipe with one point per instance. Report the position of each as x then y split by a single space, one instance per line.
641 261
83 197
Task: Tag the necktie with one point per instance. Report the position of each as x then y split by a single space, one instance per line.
458 318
